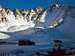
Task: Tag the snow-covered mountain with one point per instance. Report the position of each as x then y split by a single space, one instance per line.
12 21
58 17
17 20
42 26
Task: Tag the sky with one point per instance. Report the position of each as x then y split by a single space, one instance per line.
20 4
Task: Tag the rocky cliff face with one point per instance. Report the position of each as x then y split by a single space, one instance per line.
17 18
